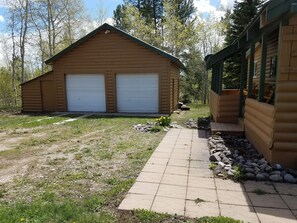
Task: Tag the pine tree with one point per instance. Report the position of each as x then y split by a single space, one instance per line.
243 13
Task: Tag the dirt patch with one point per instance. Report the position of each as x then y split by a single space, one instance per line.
10 143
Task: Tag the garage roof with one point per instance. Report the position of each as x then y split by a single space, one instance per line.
112 28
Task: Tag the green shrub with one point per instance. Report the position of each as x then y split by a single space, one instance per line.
164 121
155 128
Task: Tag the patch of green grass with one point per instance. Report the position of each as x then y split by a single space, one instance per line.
75 176
105 154
212 166
112 181
219 219
199 200
196 110
259 192
2 193
156 128
95 203
117 189
50 208
238 174
85 140
145 216
56 161
78 156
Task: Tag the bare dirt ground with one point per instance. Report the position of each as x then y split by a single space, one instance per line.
77 158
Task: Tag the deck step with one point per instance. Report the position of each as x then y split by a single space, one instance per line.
227 128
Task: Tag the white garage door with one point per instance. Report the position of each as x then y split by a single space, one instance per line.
86 92
137 93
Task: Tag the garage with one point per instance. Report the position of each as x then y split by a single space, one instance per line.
137 93
109 71
85 92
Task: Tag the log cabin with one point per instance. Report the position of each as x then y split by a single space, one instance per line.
266 100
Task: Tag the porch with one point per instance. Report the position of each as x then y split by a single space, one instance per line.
266 98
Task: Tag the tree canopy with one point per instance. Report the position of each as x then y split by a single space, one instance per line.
243 12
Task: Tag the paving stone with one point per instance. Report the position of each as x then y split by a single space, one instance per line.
200 182
200 156
137 201
239 212
157 154
154 168
251 186
273 215
149 177
284 188
199 164
208 195
230 185
233 197
177 162
181 156
267 200
291 201
160 161
177 170
144 188
198 210
168 205
172 179
172 191
200 173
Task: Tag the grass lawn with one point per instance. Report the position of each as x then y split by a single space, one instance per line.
76 172
196 110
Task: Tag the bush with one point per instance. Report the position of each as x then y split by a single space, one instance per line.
164 121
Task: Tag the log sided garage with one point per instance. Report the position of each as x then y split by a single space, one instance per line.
266 102
110 71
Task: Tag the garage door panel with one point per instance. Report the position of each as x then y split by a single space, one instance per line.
86 92
137 93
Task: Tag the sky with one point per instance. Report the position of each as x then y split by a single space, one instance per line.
203 6
215 7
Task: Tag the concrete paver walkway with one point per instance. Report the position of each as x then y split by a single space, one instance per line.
177 180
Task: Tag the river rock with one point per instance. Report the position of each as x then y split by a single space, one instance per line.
276 178
215 157
249 170
260 177
268 169
277 167
290 179
250 176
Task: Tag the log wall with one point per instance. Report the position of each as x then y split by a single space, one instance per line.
32 100
259 125
285 136
225 108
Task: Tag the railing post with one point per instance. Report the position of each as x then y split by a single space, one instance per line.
220 78
243 77
251 68
263 68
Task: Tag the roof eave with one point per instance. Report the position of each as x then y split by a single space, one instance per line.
107 26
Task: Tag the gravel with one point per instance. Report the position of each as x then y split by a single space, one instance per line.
236 158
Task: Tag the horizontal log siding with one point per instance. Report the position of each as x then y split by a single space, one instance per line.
285 133
259 125
224 108
285 137
110 54
31 93
174 71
